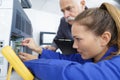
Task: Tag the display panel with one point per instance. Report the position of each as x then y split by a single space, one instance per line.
46 38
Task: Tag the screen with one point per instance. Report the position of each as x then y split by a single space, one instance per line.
46 38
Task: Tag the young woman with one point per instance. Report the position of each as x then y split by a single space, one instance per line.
96 34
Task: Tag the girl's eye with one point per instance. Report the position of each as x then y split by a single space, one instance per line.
78 39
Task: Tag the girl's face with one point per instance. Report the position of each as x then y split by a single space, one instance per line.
86 42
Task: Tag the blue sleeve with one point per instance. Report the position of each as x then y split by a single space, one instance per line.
48 54
52 69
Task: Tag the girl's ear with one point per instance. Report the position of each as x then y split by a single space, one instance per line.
105 38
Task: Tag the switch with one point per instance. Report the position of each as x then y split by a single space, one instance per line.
1 43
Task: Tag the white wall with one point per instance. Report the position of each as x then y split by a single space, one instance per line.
42 21
97 3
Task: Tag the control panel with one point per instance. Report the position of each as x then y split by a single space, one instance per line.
1 60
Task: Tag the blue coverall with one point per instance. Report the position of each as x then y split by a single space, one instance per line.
55 66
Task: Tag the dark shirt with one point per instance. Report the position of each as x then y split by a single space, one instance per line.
64 32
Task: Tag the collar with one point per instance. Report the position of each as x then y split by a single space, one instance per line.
110 50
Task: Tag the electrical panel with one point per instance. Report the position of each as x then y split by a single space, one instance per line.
14 27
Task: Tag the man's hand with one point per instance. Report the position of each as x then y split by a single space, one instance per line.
50 48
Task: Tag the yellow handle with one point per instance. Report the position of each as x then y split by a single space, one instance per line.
17 64
9 72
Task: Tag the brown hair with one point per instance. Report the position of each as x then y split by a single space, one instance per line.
98 21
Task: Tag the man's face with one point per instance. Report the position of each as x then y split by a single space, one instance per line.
70 9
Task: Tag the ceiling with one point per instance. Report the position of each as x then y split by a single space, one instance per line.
52 6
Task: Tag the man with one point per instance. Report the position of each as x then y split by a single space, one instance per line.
70 9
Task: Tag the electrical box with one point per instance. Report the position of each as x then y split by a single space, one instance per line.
14 27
